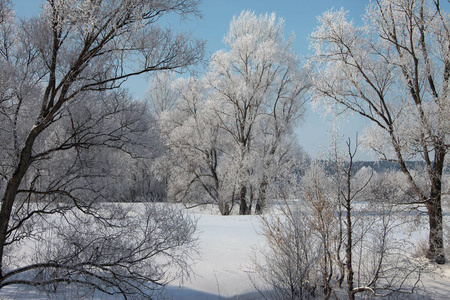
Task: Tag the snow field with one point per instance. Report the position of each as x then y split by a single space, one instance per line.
227 246
223 268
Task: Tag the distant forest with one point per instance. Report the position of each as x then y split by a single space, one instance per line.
380 166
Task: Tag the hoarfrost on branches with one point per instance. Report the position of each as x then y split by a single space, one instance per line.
393 71
228 132
69 132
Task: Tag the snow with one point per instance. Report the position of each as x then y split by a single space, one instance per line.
438 285
227 244
223 268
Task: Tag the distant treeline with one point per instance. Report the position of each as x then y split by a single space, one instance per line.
378 166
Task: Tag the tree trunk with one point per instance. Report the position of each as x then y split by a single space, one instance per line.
243 208
348 252
224 207
261 202
436 235
11 191
340 261
348 209
434 208
250 202
5 213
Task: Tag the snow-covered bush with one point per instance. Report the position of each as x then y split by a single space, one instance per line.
127 250
309 254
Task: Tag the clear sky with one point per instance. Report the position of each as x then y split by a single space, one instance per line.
300 18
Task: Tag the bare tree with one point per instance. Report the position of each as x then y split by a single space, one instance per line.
290 265
161 95
195 149
61 108
370 246
394 72
349 194
131 251
305 241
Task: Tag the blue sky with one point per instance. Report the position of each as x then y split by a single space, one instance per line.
300 18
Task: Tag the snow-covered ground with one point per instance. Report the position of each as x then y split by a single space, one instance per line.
224 267
227 245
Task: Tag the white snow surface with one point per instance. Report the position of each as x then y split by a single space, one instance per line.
223 268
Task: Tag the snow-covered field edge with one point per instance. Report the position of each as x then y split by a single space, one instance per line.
223 268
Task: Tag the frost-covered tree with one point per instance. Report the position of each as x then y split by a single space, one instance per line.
161 96
394 71
195 148
228 133
258 91
312 245
65 127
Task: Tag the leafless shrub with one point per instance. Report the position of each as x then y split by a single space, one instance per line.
291 267
304 259
132 251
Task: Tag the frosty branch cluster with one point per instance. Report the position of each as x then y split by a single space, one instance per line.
68 132
393 71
